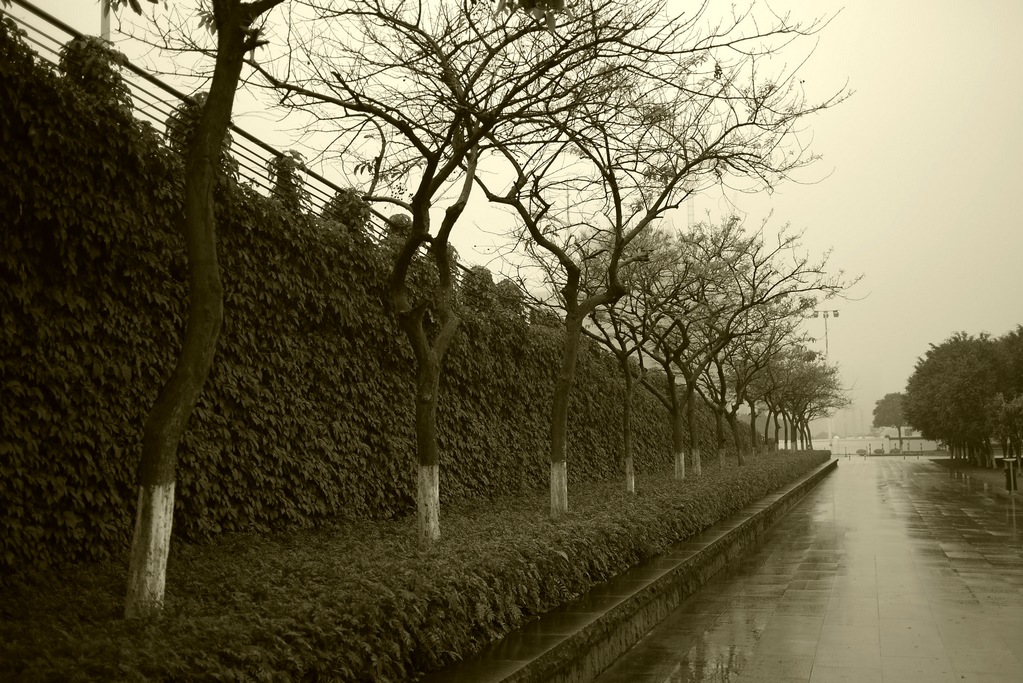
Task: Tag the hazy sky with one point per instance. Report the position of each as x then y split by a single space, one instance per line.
918 189
923 196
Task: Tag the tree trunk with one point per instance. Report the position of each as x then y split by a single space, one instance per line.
428 488
678 438
777 443
166 423
559 415
719 435
630 473
733 424
900 438
785 424
753 427
694 444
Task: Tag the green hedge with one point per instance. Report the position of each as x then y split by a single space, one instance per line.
307 414
358 601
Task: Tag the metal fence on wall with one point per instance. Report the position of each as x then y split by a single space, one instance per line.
155 101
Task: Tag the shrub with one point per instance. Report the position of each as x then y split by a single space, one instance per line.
358 601
92 65
348 209
288 186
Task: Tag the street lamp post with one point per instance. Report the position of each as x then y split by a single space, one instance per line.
104 20
826 315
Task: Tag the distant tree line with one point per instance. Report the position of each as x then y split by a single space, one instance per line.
968 393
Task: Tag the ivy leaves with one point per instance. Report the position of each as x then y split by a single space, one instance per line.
308 413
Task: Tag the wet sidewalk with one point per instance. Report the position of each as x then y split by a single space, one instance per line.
890 570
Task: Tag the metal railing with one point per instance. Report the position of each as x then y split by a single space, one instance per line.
156 101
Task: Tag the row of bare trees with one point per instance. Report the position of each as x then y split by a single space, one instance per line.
712 315
586 120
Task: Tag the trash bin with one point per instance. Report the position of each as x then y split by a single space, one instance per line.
1010 475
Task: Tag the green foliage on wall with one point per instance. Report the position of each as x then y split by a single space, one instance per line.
358 601
307 413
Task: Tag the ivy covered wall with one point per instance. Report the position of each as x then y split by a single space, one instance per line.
308 411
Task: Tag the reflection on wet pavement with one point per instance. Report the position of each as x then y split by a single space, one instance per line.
888 571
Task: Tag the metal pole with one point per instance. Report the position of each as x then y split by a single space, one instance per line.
104 20
826 352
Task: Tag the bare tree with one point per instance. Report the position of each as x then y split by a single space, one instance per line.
233 23
747 285
686 107
618 327
728 383
805 388
673 307
750 366
435 86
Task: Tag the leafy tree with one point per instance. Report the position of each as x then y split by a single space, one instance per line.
1007 423
232 21
181 128
888 413
510 298
1009 348
949 394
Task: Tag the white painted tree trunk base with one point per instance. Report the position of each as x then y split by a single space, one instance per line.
697 463
150 548
630 475
559 487
428 504
680 465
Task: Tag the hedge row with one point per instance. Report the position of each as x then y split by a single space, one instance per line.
358 601
307 414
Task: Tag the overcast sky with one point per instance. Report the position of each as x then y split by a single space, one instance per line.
918 189
923 196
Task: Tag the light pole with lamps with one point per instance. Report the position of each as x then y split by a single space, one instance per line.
826 315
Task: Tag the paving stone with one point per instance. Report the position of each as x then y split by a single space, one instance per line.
888 571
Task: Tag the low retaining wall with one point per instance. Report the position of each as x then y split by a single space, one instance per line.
577 641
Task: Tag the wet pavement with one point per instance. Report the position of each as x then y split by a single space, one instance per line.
890 570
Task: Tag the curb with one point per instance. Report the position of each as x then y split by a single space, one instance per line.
577 641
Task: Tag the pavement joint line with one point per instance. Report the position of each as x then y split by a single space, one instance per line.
897 531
